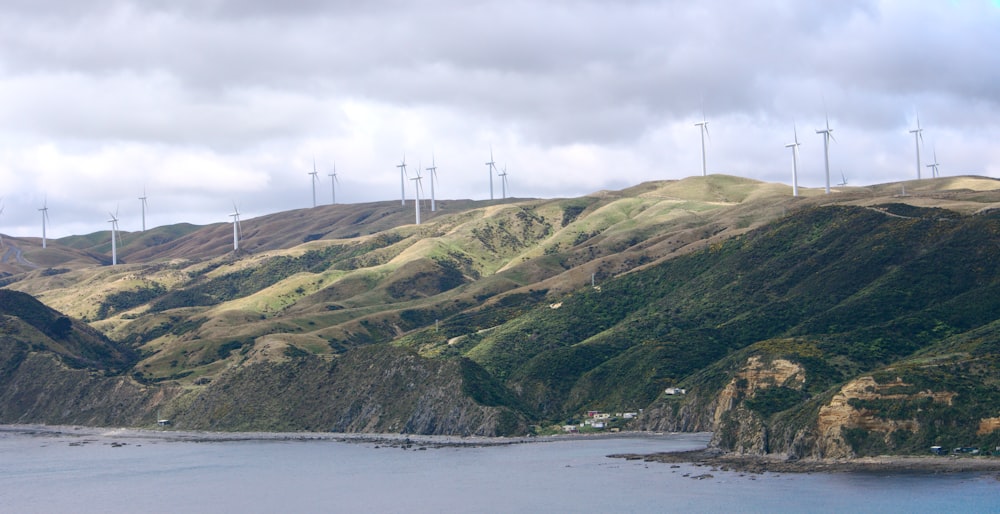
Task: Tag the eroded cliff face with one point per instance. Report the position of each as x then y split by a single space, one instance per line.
42 389
758 374
369 390
690 413
738 428
845 411
387 390
988 426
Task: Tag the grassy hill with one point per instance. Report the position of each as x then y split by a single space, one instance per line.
708 283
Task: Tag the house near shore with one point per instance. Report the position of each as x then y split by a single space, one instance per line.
674 391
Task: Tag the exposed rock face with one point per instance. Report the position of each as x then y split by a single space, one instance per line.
381 389
756 375
738 428
839 414
43 390
988 426
689 413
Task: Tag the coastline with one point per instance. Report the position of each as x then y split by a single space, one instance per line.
368 438
916 464
706 457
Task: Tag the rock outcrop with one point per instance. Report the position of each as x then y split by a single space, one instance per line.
843 412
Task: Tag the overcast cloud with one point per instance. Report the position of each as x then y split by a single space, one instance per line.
206 103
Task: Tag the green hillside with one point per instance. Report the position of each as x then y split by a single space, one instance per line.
825 325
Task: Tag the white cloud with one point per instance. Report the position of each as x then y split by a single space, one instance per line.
206 103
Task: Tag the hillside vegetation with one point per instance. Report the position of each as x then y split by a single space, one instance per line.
827 325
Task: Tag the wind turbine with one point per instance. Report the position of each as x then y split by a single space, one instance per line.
142 202
827 136
416 188
503 182
402 180
237 231
315 179
114 232
933 166
492 166
333 183
704 131
918 138
795 161
433 177
45 218
843 179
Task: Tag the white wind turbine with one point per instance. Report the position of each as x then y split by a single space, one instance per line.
45 218
115 237
237 231
143 204
795 161
315 179
703 124
433 177
491 166
827 136
918 137
402 180
503 182
933 166
416 188
333 184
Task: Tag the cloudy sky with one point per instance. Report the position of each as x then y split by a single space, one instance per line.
204 103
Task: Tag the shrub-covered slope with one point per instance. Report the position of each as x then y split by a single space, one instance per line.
773 312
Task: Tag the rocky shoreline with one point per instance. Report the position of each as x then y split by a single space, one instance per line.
707 457
722 461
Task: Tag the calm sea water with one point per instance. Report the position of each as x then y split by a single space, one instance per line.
79 474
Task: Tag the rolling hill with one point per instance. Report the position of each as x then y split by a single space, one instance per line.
823 325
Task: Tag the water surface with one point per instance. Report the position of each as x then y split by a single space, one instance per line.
93 473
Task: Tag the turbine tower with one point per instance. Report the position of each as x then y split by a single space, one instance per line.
315 179
503 182
432 174
142 203
237 231
333 184
491 166
45 218
827 136
795 161
114 232
416 188
918 138
402 180
704 131
933 166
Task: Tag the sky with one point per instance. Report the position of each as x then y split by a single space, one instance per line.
204 104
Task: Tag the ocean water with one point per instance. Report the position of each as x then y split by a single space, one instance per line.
92 473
